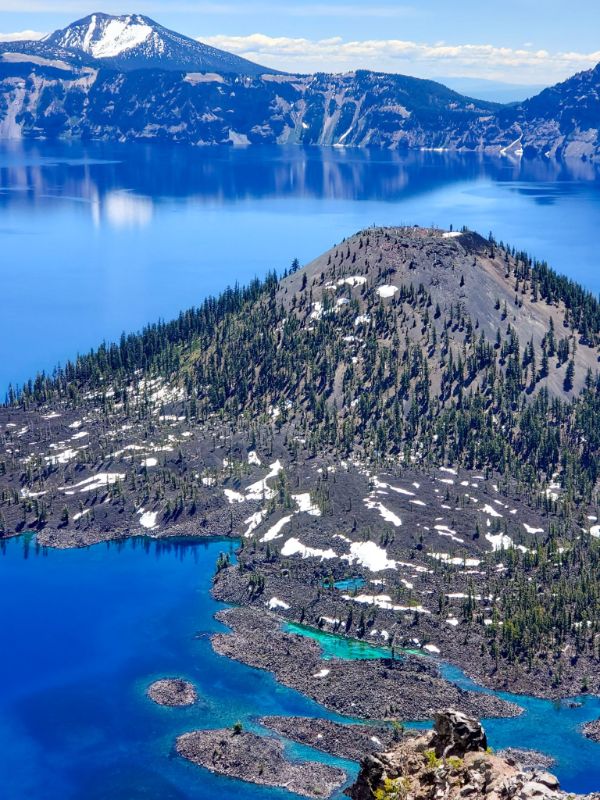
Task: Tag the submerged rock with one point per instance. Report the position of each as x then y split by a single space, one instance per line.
172 692
260 760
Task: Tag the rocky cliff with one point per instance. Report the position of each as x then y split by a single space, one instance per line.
128 78
450 762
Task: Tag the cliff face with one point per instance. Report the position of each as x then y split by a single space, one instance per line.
49 96
450 762
126 78
54 99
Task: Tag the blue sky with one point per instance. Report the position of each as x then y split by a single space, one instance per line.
522 41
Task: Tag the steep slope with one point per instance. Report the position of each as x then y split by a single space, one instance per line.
361 109
415 409
135 41
126 78
560 122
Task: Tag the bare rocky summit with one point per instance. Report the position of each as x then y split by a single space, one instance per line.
450 762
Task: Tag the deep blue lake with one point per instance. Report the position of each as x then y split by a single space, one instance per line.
83 634
96 239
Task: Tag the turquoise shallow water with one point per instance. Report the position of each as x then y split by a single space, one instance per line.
83 634
85 631
549 727
99 238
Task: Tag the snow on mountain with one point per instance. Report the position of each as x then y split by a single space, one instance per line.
134 41
103 37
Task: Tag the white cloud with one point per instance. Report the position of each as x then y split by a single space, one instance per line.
20 35
520 65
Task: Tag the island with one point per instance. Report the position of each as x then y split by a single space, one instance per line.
258 759
172 692
401 439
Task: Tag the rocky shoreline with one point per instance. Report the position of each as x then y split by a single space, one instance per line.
260 760
527 759
591 730
350 742
452 761
407 689
173 692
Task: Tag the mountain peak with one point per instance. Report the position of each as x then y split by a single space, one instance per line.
134 41
105 36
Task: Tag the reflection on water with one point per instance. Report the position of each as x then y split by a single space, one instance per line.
84 632
100 238
123 182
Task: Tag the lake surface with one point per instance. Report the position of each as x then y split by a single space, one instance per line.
546 726
96 239
83 633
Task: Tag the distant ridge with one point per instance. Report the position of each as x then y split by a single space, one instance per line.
91 80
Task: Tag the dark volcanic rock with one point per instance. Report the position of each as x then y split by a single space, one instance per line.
591 730
527 759
409 689
342 741
258 759
457 734
172 692
413 769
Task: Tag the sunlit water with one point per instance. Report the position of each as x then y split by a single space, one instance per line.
549 727
96 239
83 634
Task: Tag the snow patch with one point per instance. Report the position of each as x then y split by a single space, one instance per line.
294 547
275 602
99 481
370 555
306 505
387 515
275 531
386 291
148 519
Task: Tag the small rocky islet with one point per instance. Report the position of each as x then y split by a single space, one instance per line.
591 730
332 446
172 692
260 760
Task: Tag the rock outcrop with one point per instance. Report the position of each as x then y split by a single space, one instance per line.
450 762
172 692
260 760
591 730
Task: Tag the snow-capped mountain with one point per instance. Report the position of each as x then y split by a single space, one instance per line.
134 41
127 78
